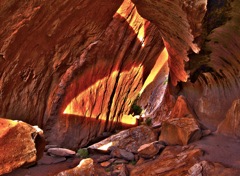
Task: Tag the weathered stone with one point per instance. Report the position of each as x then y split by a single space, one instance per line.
129 140
126 155
181 109
85 168
172 161
105 164
20 144
61 152
124 171
185 26
140 161
210 168
150 150
180 131
231 124
75 42
121 153
103 158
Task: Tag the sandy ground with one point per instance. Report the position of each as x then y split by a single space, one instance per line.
217 148
45 170
221 149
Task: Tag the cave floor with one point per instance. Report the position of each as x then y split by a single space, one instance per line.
220 149
217 148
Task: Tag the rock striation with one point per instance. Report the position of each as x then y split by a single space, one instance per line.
73 69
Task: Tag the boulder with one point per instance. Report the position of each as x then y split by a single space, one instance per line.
181 109
180 131
130 139
182 127
103 158
126 155
121 153
230 126
150 150
61 152
210 168
172 161
20 144
85 168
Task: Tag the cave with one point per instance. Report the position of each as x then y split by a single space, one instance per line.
150 86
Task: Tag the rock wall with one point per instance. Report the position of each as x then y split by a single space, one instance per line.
202 40
72 69
75 68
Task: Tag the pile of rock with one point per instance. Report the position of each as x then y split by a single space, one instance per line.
144 151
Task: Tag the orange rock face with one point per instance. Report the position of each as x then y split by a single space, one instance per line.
73 69
172 161
179 23
20 144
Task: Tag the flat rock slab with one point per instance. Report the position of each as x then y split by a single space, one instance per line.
129 140
172 161
150 150
61 152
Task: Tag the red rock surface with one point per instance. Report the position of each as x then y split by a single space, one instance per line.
179 23
213 73
172 161
71 68
75 70
20 144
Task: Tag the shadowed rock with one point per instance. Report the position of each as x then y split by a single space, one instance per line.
231 124
129 140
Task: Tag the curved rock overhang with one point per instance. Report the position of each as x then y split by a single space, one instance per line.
202 40
72 69
75 70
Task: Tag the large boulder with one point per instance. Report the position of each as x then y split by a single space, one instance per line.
20 144
182 127
180 131
129 140
181 109
231 124
172 161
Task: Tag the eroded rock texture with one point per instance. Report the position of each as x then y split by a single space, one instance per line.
20 144
202 40
73 67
